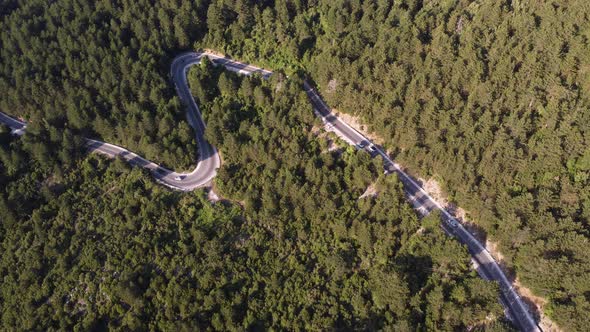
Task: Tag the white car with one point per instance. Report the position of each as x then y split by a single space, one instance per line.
372 148
179 178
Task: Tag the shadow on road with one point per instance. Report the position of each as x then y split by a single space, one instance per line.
125 155
472 236
239 66
207 151
207 156
160 172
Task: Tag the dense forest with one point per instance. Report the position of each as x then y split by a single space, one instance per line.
102 246
488 97
491 98
100 69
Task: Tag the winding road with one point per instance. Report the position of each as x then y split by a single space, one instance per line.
209 161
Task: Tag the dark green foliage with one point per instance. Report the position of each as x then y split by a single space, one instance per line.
491 97
104 247
100 69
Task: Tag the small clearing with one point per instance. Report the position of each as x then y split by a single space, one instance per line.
212 196
332 85
208 50
317 131
370 192
332 146
434 190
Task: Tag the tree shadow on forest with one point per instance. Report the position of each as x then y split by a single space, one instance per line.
417 268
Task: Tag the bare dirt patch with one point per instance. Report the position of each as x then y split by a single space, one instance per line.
208 50
537 303
332 146
323 133
433 189
370 192
212 196
546 324
356 123
319 131
332 85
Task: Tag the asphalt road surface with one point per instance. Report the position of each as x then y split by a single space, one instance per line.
424 203
17 126
209 162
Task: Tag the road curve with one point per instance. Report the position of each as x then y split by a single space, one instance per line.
209 162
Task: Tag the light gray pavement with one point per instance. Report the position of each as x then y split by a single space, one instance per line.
209 162
486 266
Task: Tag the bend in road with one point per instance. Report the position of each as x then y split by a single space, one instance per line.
209 162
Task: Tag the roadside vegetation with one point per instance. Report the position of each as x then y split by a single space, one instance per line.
99 69
489 97
102 246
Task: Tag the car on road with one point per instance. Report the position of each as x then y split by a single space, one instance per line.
453 223
372 148
361 145
179 178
